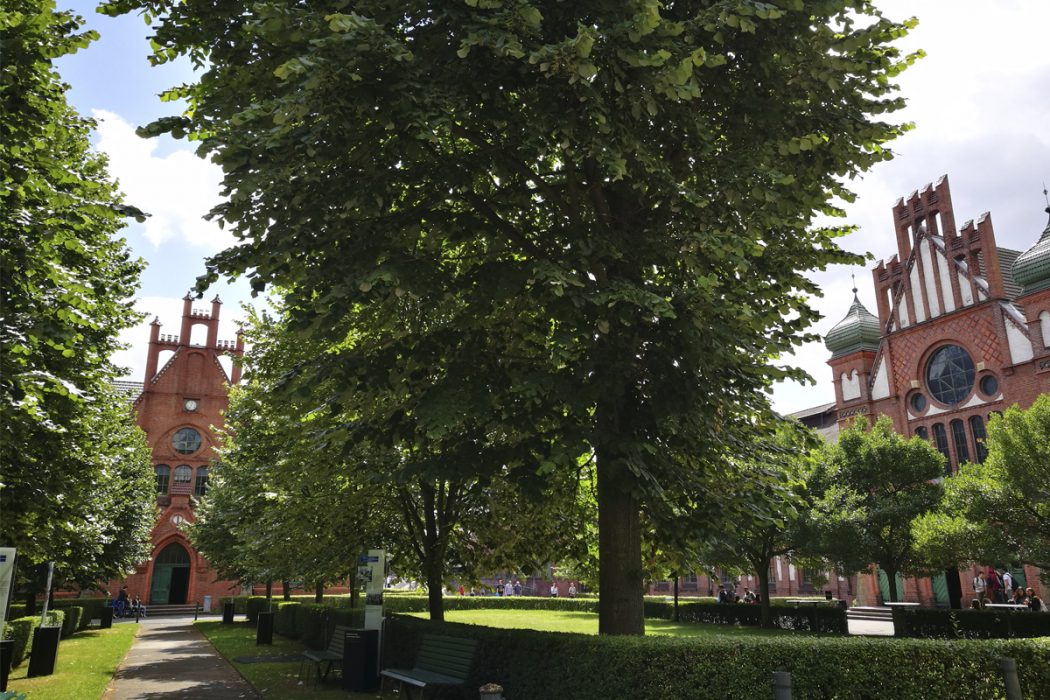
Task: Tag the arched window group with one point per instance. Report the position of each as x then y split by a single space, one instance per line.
960 440
182 475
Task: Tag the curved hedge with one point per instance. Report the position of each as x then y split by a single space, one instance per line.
530 664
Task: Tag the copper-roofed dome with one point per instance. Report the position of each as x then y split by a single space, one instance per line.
860 330
1031 270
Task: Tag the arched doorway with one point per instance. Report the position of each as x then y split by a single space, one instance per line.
171 576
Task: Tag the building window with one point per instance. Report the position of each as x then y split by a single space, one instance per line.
962 452
183 474
950 374
918 402
922 432
989 385
186 441
979 436
200 487
940 441
163 472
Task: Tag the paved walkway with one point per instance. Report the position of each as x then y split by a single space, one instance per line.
171 659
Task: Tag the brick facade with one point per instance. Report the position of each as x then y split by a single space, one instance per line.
189 390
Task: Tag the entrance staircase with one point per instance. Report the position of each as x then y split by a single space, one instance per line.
879 613
158 610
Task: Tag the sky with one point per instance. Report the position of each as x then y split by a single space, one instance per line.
980 101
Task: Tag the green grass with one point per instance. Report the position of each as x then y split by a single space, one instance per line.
86 662
273 680
587 623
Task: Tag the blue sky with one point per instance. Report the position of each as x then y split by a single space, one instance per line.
980 101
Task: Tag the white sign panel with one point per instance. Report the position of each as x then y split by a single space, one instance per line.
7 572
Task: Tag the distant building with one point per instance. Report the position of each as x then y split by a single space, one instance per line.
180 406
962 332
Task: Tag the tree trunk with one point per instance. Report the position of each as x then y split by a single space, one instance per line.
319 592
891 578
675 597
435 600
30 603
269 590
620 606
763 599
286 589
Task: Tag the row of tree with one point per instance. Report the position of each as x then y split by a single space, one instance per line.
77 484
512 236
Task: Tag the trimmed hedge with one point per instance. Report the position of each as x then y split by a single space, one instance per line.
240 602
811 618
406 604
20 631
71 623
255 605
654 668
937 623
286 619
91 607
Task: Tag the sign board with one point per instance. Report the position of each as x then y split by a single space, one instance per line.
7 575
371 570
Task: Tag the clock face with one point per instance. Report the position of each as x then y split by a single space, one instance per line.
177 520
191 404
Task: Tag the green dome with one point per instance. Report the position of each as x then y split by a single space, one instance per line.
1031 270
860 330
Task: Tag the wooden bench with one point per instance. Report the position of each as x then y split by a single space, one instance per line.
441 661
332 656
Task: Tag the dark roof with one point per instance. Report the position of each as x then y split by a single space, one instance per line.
814 411
130 390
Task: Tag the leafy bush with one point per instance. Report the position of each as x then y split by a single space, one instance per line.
16 610
650 668
56 618
91 607
20 631
286 621
256 604
71 623
969 624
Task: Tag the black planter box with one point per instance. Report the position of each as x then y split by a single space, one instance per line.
264 629
45 651
227 613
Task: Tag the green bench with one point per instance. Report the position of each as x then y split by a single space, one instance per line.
332 656
441 662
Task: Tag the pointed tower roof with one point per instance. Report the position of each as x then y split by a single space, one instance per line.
859 330
1031 270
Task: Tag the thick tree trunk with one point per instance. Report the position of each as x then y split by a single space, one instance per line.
319 592
620 607
763 596
891 578
675 597
286 589
30 603
435 600
269 590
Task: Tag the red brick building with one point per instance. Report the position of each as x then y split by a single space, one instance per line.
962 332
179 406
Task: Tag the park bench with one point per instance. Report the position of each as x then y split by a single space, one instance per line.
441 662
332 656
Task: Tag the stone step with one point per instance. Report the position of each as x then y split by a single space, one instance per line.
870 613
157 610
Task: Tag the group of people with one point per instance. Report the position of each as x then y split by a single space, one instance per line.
126 606
728 595
507 589
991 586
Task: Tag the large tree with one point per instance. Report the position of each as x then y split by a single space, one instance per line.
998 511
562 223
872 484
75 468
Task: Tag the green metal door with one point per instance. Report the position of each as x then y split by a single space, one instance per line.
161 584
884 586
940 591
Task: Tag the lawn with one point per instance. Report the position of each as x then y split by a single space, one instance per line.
587 623
273 680
86 662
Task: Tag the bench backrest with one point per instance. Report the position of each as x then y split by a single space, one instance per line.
451 656
338 639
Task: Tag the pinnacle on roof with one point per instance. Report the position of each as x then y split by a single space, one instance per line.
1031 269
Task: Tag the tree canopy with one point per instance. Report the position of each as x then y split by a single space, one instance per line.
76 475
556 228
998 511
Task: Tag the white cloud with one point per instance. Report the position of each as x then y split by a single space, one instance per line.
176 189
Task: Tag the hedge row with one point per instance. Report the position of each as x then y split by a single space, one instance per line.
240 602
650 668
313 623
811 618
969 624
91 609
20 631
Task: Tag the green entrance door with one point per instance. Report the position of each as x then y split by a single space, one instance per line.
884 586
171 576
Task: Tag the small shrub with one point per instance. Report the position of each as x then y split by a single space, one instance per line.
91 607
286 622
255 605
72 622
56 618
20 631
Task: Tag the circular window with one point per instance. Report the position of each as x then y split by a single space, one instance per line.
950 374
918 402
186 441
989 385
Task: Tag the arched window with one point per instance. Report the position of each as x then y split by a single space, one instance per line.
940 441
979 436
163 472
183 474
922 432
962 452
200 487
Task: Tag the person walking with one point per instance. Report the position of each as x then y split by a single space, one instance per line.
517 587
508 590
554 590
980 586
